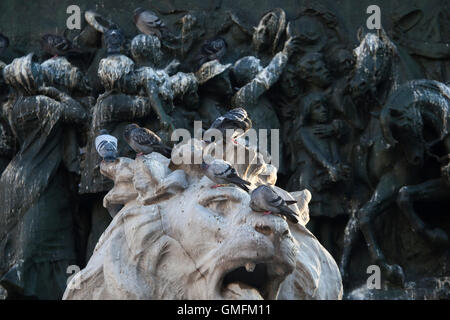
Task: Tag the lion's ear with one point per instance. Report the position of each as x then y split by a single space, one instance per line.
121 172
154 181
303 198
174 183
117 169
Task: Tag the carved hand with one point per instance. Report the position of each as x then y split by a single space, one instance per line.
291 45
324 130
333 173
339 172
172 67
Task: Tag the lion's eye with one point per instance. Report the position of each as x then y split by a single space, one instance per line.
218 204
223 201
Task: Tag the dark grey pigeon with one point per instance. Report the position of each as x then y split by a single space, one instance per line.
145 141
221 172
211 50
106 146
234 119
56 45
114 39
265 199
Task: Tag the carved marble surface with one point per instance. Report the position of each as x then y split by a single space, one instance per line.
177 238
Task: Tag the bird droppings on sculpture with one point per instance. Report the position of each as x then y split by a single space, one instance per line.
178 133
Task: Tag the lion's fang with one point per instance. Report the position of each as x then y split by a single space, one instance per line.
250 266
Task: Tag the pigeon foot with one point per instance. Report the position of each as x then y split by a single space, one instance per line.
217 186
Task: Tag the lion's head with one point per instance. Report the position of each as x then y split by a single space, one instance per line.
176 238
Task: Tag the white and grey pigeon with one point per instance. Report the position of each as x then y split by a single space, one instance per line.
222 172
106 146
236 119
145 141
266 199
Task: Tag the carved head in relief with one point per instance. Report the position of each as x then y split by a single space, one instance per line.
59 72
146 50
24 74
269 31
375 63
341 61
289 82
310 32
245 70
312 69
214 78
315 108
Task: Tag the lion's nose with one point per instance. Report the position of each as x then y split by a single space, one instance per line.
276 228
264 229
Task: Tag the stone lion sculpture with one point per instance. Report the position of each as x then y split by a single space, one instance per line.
177 238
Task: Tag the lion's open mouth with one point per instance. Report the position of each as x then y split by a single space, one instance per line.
251 281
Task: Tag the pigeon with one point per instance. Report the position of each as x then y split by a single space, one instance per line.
265 199
212 50
106 146
113 39
222 173
55 45
145 141
234 119
4 43
148 22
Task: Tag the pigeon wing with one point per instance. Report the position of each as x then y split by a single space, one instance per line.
232 176
151 20
217 123
282 208
62 44
144 136
238 118
288 213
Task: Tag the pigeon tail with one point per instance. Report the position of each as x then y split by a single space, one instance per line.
243 187
238 180
289 213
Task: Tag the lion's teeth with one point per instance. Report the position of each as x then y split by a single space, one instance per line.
250 266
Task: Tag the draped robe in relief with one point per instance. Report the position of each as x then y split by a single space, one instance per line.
37 239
